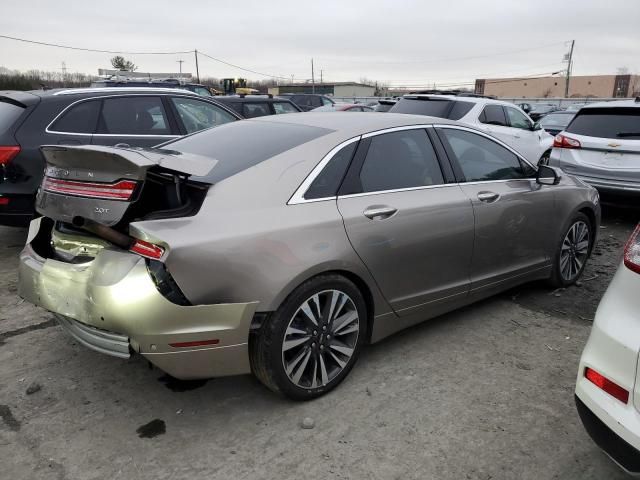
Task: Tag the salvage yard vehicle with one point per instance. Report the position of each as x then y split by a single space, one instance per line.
503 120
308 101
601 146
251 106
137 116
608 388
344 107
283 256
555 122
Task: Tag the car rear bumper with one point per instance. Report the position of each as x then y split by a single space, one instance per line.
612 351
16 210
621 452
611 186
112 305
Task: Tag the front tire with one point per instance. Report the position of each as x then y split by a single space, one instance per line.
572 251
310 344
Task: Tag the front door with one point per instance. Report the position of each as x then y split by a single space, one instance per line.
512 212
413 231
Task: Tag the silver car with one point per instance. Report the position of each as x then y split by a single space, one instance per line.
601 146
281 245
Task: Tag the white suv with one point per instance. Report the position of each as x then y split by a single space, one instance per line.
503 120
601 146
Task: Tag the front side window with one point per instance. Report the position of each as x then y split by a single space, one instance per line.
482 159
252 110
197 115
493 115
518 119
396 160
283 107
80 118
133 116
327 183
326 101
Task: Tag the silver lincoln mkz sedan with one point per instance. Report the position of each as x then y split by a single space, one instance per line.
281 245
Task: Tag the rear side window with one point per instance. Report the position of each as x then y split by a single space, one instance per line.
230 146
607 123
197 115
482 159
133 116
9 113
493 115
459 110
404 159
283 107
80 118
252 110
327 183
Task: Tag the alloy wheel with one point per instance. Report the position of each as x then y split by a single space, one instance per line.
320 339
574 250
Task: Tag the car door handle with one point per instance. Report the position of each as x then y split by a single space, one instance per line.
379 212
488 197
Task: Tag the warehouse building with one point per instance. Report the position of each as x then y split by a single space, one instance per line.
603 86
337 89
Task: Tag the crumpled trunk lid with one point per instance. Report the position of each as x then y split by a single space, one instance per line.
102 184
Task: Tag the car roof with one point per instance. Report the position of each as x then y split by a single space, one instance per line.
250 98
107 90
615 103
461 98
354 124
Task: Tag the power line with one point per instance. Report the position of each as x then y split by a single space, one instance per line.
241 68
90 49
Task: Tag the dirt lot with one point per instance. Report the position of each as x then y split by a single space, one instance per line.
482 393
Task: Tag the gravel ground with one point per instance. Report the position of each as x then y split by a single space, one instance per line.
482 393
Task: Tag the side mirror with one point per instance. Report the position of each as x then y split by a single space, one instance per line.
548 175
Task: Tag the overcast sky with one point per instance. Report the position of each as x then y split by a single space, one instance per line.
401 42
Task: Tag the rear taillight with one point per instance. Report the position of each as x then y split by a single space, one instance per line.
122 190
8 153
147 249
632 251
607 385
561 141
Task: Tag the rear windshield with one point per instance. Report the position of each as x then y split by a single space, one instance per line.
556 119
241 145
9 113
607 123
442 108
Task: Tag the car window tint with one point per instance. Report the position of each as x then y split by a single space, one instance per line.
328 181
423 106
326 101
197 115
354 109
133 116
402 159
556 119
517 119
480 158
315 101
252 110
9 113
283 107
493 115
80 118
202 91
302 100
241 145
619 123
459 110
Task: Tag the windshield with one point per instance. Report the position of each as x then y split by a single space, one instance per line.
556 120
607 123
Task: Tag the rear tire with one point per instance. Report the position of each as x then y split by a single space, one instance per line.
572 251
310 344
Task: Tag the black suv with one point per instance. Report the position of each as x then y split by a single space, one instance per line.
308 101
141 117
250 106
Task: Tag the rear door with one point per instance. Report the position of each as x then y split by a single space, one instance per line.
412 229
513 213
493 120
525 140
140 121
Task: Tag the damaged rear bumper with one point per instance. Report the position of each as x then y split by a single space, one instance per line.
111 305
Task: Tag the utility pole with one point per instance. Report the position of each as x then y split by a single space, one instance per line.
197 71
64 74
321 76
569 65
313 79
180 62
